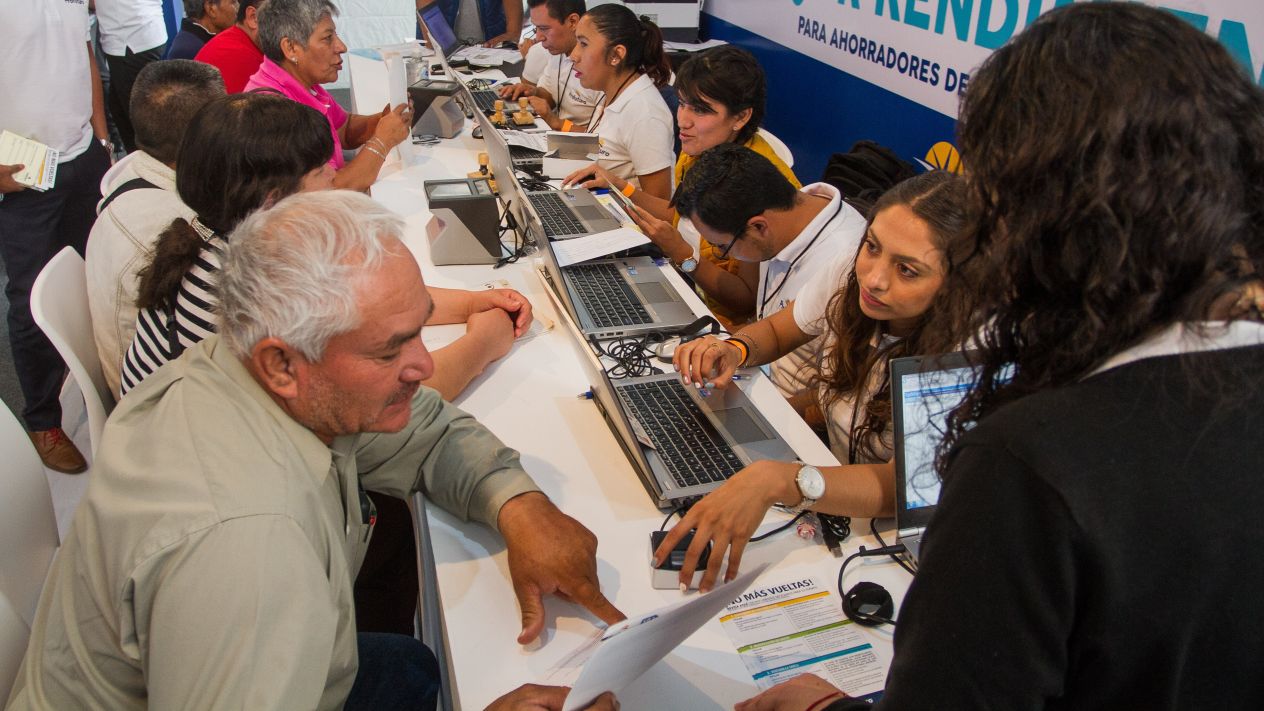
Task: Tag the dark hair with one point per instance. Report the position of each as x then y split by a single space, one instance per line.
196 9
848 363
728 185
240 153
639 36
165 97
243 5
730 76
1115 157
561 9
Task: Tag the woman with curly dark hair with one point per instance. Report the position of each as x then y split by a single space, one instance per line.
1096 544
880 305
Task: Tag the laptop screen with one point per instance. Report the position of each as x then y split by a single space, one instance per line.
440 31
924 391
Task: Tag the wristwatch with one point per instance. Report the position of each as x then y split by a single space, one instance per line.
688 266
811 485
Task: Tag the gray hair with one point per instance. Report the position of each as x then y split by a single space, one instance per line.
295 19
293 271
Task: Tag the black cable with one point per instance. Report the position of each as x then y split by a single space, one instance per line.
866 553
632 355
908 565
779 529
510 225
678 510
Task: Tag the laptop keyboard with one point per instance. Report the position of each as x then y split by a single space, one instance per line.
526 158
485 99
608 297
686 441
556 216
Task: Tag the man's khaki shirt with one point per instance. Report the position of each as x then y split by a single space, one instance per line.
210 564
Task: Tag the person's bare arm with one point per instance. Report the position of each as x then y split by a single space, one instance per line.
100 129
378 134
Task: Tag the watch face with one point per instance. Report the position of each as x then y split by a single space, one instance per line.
811 482
689 265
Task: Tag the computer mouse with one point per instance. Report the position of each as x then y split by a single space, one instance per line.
477 132
507 45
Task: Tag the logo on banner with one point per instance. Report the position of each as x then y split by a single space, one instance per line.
942 156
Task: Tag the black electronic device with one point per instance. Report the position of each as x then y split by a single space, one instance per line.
667 575
465 223
435 108
869 604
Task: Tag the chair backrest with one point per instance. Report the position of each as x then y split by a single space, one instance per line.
59 303
778 146
28 542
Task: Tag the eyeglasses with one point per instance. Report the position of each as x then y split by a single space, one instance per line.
724 253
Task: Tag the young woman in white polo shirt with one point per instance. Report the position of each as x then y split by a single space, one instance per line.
885 307
622 55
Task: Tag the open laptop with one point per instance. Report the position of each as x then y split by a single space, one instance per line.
520 157
681 444
438 32
609 298
924 389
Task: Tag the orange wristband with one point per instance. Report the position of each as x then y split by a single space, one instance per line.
741 345
628 190
567 125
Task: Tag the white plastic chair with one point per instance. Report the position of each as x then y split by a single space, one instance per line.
779 147
59 303
28 530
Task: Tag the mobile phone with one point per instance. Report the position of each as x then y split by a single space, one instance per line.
624 201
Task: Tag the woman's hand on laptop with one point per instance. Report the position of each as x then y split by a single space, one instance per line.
727 517
707 362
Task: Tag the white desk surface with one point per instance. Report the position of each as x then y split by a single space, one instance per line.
529 399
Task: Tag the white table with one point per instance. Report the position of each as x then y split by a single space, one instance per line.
529 399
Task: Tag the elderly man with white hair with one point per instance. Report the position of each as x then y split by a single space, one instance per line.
211 562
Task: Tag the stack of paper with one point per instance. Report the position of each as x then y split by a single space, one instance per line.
41 161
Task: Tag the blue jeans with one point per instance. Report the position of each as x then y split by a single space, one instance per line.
396 672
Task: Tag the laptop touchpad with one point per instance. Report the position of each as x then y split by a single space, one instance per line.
655 292
589 213
741 425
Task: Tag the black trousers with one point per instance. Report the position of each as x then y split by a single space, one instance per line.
123 71
34 226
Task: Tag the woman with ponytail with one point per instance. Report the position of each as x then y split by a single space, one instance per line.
622 55
240 153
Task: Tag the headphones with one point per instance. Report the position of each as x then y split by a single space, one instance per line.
869 604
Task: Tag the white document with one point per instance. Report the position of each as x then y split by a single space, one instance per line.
582 249
39 161
487 56
782 629
534 141
628 649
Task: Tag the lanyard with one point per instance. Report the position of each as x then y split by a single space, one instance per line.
592 127
562 94
769 296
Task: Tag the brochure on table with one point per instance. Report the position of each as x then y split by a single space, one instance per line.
782 629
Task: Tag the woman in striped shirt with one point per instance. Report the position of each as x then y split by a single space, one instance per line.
240 153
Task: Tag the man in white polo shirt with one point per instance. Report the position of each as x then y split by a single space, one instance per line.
52 94
744 206
558 98
133 34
